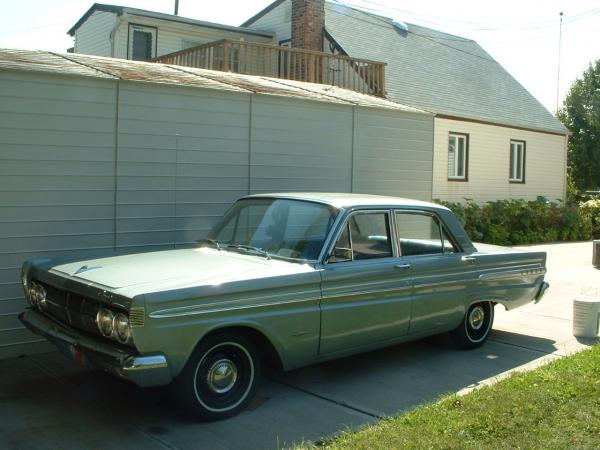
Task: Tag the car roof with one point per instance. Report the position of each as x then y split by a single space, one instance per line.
347 200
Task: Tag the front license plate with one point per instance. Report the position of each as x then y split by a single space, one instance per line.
73 354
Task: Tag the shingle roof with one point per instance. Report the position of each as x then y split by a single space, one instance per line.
438 72
122 69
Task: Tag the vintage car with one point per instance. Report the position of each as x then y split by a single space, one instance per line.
293 278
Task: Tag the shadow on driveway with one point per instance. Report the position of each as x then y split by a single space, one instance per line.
46 402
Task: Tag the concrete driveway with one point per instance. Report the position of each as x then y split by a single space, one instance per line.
47 403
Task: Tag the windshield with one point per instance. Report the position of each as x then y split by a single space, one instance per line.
286 228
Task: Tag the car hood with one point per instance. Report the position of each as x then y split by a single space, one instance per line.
155 271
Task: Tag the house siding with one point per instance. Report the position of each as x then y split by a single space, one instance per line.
93 37
172 35
278 21
488 165
94 166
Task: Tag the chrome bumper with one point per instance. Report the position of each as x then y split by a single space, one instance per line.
143 370
543 288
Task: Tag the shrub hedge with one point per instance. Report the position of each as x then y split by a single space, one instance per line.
591 209
517 222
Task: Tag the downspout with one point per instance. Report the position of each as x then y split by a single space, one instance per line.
111 36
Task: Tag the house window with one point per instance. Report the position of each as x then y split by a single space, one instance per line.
142 42
516 172
458 156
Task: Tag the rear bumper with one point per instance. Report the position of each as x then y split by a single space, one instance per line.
543 288
143 370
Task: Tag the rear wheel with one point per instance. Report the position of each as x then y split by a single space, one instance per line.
220 378
476 325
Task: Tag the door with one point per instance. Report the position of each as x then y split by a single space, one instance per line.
366 290
442 276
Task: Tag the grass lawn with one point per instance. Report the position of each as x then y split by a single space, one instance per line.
556 406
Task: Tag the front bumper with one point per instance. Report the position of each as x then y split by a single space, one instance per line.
143 370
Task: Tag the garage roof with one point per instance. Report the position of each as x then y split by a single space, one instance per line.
121 69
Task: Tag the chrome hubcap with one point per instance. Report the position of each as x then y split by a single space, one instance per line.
222 376
476 318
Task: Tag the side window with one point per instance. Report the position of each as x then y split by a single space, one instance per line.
421 234
142 42
458 156
366 235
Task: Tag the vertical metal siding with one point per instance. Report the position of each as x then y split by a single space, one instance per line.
56 185
300 146
182 161
393 153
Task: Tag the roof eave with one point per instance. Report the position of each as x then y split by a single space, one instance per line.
262 12
95 7
120 10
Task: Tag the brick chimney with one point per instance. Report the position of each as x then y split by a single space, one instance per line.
308 20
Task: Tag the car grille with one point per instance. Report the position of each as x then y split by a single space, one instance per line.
72 309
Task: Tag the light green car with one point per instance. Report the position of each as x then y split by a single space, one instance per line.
291 279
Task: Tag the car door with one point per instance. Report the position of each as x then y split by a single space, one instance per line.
366 290
442 274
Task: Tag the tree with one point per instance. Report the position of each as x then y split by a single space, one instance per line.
581 115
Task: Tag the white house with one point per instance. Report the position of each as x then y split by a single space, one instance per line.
493 139
130 33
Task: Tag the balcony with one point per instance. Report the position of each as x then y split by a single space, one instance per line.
251 58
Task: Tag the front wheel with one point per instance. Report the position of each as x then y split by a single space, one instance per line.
476 325
220 378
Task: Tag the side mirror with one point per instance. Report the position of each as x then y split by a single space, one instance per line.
340 254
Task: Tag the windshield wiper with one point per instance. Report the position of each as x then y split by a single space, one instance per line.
212 242
249 248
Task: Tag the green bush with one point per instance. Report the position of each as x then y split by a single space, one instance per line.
518 222
591 209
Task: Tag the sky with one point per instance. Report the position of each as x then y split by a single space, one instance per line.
522 35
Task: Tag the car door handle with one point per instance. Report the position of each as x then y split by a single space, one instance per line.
402 266
470 259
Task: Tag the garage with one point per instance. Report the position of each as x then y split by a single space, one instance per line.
101 156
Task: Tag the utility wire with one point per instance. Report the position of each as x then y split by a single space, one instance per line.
547 23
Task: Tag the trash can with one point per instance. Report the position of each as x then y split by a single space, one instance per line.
596 254
586 317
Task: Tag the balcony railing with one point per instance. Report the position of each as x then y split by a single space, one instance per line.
274 61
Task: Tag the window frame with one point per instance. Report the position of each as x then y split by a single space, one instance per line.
465 177
132 27
443 230
344 224
512 164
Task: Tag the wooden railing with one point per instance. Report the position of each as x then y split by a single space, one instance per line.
283 62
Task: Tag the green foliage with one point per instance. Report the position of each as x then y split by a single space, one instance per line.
581 115
591 210
518 222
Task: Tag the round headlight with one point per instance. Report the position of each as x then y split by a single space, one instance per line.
104 320
121 327
31 294
24 280
41 297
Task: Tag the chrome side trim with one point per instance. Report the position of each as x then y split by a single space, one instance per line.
376 291
195 310
511 273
